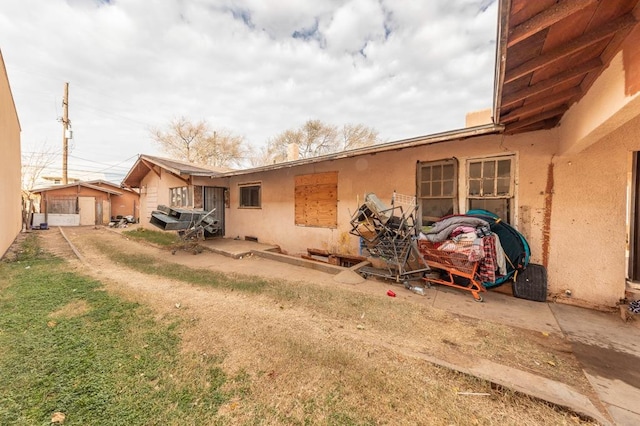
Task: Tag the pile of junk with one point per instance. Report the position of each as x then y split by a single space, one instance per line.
473 252
190 224
121 221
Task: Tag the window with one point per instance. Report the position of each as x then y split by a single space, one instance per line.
490 185
250 195
316 200
62 205
179 197
437 189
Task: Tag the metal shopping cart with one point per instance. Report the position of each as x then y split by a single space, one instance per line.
389 233
452 266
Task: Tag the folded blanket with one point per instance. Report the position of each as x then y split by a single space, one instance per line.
441 229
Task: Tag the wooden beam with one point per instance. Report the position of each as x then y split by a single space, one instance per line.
150 167
580 43
537 106
551 82
546 18
538 118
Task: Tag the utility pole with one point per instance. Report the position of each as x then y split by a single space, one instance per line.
65 132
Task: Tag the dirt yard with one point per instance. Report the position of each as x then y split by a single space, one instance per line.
351 323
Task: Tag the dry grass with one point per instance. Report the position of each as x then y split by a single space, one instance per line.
296 353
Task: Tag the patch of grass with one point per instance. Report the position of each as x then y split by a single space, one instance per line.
160 238
336 385
150 265
336 303
109 362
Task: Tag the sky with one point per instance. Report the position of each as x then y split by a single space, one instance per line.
256 68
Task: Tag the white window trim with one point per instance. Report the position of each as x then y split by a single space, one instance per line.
464 183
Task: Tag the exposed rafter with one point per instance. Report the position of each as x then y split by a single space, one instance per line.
555 51
564 50
557 112
150 166
546 18
547 102
550 83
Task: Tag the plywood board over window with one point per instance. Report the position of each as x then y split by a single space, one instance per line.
316 200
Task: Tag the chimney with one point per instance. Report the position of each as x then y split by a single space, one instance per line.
478 118
293 152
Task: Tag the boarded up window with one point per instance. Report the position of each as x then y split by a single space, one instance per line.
62 205
197 197
316 200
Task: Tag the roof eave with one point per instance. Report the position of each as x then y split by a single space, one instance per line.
465 133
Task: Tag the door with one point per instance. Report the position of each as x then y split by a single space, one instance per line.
634 246
87 208
214 198
106 212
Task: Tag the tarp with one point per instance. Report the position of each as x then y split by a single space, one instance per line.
515 246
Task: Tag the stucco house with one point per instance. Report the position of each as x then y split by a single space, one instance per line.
10 165
85 203
558 158
173 183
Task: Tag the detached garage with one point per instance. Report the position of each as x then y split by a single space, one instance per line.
85 203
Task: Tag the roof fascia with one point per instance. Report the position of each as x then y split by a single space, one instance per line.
100 188
504 9
466 133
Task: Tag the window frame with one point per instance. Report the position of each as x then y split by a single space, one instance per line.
483 180
242 187
180 193
421 181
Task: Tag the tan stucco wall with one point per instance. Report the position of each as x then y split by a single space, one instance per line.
572 186
588 226
153 184
607 105
383 173
478 118
10 165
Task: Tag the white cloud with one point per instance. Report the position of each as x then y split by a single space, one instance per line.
254 67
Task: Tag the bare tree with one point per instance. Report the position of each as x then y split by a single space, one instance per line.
195 142
357 136
316 138
33 165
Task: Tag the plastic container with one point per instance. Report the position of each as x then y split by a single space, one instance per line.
418 290
531 283
390 293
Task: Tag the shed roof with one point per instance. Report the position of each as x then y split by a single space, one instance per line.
550 52
90 185
146 163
